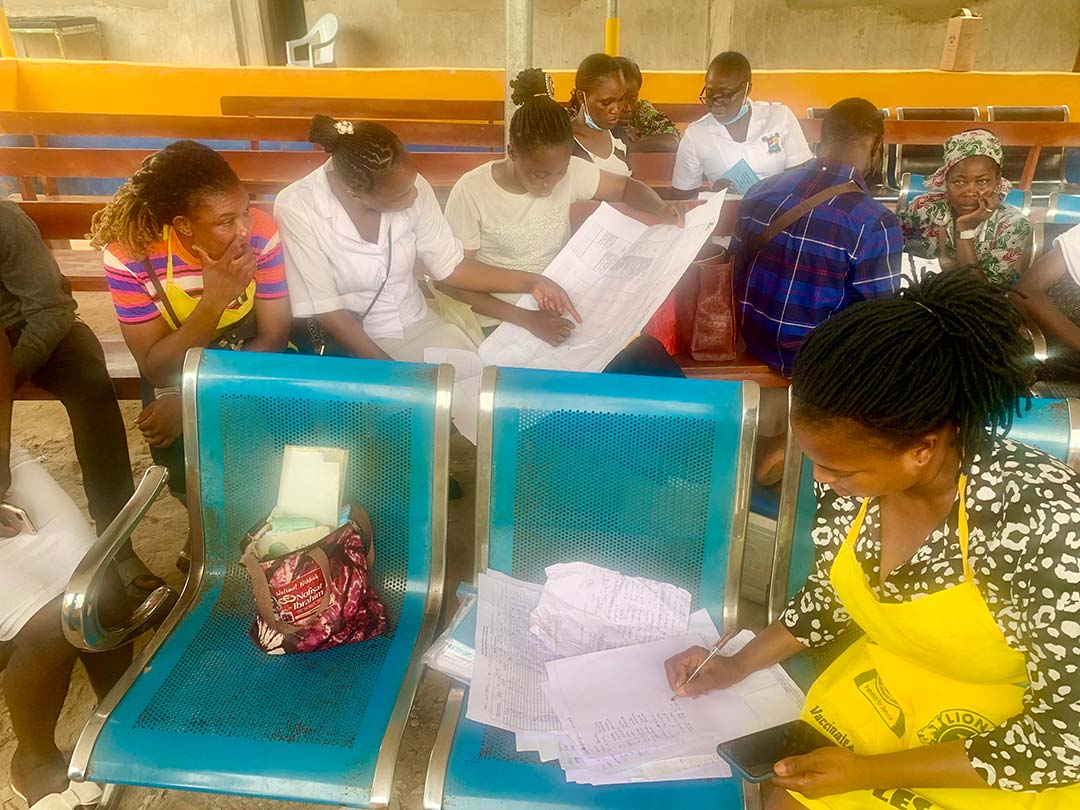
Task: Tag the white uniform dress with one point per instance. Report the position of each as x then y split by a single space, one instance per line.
774 142
330 267
35 569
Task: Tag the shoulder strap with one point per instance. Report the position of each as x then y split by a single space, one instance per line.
793 215
164 299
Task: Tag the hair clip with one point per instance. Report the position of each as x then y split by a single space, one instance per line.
343 127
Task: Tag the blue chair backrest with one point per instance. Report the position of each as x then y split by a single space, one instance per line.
1047 426
1063 208
244 407
648 476
913 185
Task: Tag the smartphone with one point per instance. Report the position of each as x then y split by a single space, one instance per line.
752 757
18 518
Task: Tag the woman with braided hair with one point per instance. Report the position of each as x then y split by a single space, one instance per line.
353 231
951 551
189 263
515 213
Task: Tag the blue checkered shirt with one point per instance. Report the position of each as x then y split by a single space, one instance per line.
845 250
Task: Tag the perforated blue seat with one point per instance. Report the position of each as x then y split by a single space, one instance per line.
1048 426
648 476
204 709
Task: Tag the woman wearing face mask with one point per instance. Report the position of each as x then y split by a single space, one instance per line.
963 220
595 107
755 139
515 213
352 232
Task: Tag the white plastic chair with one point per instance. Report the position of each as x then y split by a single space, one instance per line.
319 41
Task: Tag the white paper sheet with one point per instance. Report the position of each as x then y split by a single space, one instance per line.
620 701
312 483
585 608
617 272
912 266
509 666
467 369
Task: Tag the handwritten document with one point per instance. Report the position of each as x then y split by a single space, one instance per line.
617 272
509 667
619 702
585 608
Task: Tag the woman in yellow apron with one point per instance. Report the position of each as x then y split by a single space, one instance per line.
951 553
190 264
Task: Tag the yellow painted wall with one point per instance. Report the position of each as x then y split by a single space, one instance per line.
121 87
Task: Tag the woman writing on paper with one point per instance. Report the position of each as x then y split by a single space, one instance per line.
738 141
950 551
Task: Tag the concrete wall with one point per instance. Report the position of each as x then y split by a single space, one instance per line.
469 33
828 34
678 34
179 32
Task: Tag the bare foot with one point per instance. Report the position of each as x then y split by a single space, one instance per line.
769 465
37 775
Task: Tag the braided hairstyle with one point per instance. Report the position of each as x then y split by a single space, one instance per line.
539 119
592 70
165 186
360 151
947 350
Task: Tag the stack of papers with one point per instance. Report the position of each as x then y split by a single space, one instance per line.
585 608
606 714
454 652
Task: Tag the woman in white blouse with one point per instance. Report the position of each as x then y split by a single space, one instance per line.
739 140
599 88
353 231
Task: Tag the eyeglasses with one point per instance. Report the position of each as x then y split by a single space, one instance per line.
720 99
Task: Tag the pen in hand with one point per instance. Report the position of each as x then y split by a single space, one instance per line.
716 648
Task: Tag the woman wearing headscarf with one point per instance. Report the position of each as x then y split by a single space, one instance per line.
963 220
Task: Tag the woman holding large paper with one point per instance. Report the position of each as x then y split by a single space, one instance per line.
515 213
952 553
353 232
738 141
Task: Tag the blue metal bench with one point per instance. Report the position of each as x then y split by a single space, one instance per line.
203 709
648 476
1063 208
1052 425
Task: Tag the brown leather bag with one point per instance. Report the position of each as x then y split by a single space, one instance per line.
714 333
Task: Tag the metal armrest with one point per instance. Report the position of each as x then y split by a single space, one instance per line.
1038 339
81 619
435 781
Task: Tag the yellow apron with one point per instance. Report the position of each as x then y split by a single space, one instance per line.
928 671
179 305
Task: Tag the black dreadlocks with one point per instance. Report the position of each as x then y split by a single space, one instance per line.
948 349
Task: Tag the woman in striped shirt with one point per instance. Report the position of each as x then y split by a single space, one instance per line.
189 264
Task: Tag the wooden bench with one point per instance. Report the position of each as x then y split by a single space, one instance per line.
257 131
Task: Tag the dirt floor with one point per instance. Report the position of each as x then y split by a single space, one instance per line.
43 428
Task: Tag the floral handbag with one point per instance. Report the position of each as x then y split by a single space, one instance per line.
317 597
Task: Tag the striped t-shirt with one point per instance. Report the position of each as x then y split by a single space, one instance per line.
133 292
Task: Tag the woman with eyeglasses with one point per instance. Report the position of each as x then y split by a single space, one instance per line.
738 141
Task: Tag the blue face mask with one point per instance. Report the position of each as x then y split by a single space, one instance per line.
743 110
589 122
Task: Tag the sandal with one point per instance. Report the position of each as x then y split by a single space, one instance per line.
78 794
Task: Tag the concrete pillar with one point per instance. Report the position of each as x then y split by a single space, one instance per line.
7 44
611 29
519 47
